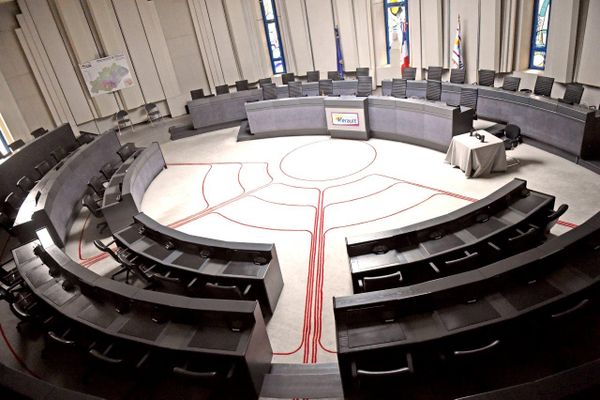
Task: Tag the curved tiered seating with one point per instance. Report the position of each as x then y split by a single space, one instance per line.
469 313
123 196
510 220
198 261
125 326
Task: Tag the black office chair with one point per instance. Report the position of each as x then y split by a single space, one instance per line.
333 75
17 144
372 283
486 77
264 81
434 74
96 183
85 138
287 78
89 203
14 201
573 94
58 154
511 83
222 89
230 292
25 184
409 73
295 89
457 75
39 132
126 151
241 85
43 168
399 88
313 76
468 98
269 91
109 169
362 71
543 86
433 91
197 94
365 86
325 87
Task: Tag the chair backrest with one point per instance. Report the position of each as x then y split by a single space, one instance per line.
511 83
365 86
543 86
512 131
409 73
108 170
122 116
434 73
313 76
89 203
42 168
362 71
96 183
38 132
434 90
126 151
468 97
333 75
58 153
25 184
325 87
197 94
215 291
371 283
241 85
457 75
264 81
17 144
487 77
295 88
222 89
399 88
573 93
13 200
287 78
269 91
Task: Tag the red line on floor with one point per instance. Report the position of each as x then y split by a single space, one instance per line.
15 355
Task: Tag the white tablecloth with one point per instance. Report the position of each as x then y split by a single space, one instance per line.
474 157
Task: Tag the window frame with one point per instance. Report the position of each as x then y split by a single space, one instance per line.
386 6
266 28
534 29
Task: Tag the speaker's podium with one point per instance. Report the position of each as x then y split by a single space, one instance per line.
347 117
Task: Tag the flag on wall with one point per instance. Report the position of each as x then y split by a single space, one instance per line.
340 60
457 61
404 56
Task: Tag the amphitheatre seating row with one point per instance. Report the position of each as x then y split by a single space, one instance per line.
205 339
199 266
508 221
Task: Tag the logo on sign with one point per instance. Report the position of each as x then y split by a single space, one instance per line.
344 119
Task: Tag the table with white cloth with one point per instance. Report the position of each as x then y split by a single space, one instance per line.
477 158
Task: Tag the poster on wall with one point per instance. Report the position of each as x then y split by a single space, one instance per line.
106 75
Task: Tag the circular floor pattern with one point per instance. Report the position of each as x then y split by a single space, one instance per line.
327 160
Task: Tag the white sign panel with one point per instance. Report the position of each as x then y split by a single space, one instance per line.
106 75
344 119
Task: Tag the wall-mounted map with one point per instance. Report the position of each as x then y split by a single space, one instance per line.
105 75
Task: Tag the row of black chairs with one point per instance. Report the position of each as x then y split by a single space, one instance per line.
12 201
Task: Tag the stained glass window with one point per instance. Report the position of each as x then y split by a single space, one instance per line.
269 14
539 34
396 23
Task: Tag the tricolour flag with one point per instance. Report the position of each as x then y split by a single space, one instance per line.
457 61
404 56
